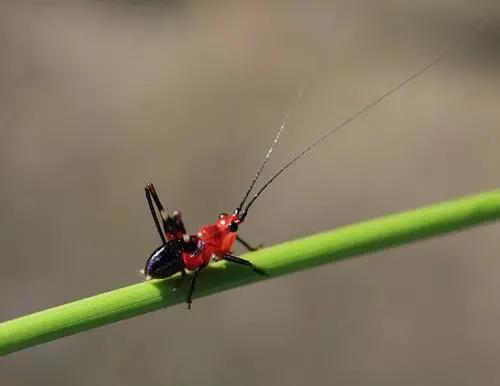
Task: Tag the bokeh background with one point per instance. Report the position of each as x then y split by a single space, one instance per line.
97 98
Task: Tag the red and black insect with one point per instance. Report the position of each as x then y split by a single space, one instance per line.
180 251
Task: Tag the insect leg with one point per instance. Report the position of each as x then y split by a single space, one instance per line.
239 260
150 196
170 224
189 299
179 223
181 280
247 245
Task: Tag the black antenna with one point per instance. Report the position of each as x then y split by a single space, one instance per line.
285 120
269 152
348 120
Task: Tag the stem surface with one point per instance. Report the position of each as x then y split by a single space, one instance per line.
296 255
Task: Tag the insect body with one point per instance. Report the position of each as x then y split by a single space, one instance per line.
180 251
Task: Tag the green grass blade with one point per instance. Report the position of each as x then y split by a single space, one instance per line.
338 244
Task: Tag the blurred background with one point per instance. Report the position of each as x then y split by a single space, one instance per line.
97 98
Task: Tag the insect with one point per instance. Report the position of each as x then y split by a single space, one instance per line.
180 251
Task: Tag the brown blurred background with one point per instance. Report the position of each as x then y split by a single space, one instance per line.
96 98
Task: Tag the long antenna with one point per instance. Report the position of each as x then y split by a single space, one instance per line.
269 152
348 120
285 120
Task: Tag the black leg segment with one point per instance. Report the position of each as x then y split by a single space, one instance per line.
168 222
172 226
189 299
239 260
150 196
247 245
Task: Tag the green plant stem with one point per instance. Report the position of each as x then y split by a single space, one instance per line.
338 244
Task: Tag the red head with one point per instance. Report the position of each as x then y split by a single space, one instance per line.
228 223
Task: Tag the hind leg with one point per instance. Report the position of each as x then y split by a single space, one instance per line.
152 199
173 227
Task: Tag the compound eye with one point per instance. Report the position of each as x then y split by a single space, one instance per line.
233 227
222 215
